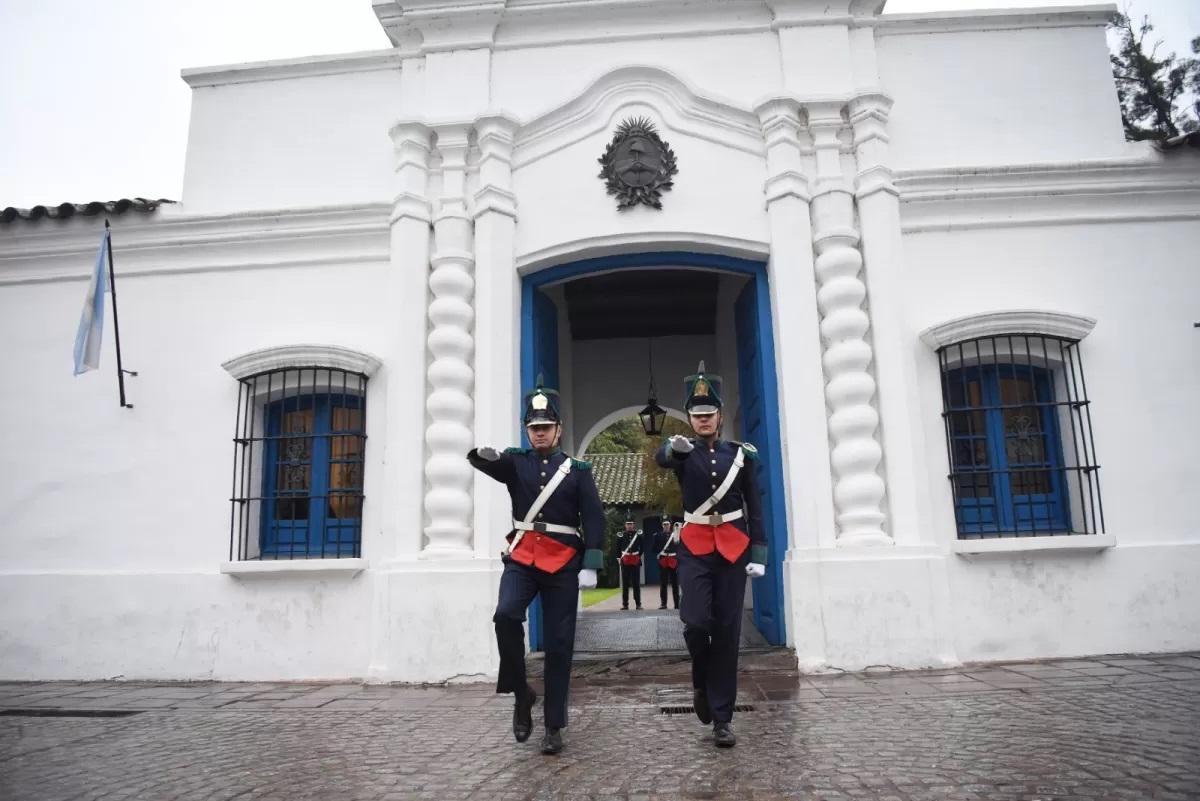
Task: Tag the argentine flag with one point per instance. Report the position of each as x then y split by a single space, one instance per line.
91 322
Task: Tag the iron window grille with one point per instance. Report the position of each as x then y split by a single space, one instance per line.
298 465
1019 437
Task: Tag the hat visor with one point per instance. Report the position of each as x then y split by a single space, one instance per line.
540 423
704 408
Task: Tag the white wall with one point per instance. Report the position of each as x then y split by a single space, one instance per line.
114 522
292 143
1000 96
531 81
1139 365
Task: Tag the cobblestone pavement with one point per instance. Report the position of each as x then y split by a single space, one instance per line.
1100 728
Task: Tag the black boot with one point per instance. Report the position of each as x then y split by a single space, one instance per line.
552 741
523 714
700 703
723 735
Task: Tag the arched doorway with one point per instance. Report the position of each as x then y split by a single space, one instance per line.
745 307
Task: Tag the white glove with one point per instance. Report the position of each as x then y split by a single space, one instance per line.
681 444
488 454
587 579
755 570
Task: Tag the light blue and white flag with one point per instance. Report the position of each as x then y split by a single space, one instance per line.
91 322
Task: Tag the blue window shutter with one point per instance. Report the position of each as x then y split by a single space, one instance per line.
1027 496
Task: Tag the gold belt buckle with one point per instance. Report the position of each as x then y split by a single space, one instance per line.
715 520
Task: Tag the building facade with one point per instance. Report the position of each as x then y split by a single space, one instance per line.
954 311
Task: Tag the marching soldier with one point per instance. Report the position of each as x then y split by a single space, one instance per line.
665 543
553 551
630 544
721 543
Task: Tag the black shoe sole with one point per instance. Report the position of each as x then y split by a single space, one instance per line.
720 744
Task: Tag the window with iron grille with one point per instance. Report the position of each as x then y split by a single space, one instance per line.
298 464
1019 437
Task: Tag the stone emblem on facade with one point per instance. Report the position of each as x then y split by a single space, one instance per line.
637 166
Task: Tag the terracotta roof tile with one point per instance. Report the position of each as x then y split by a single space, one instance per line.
64 210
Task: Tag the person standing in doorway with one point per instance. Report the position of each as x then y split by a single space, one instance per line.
554 550
665 542
721 543
630 546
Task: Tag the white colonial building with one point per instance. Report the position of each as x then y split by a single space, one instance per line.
954 310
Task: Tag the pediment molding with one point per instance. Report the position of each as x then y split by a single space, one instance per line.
1063 325
280 357
671 102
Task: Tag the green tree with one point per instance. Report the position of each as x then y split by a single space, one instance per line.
627 436
623 436
662 490
1148 87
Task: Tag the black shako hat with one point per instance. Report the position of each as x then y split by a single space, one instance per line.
541 406
702 392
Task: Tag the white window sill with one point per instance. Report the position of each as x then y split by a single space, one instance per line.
279 568
1071 542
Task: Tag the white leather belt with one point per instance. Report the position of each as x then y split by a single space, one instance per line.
521 525
712 520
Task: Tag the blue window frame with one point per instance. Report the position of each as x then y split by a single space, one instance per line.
1007 467
312 476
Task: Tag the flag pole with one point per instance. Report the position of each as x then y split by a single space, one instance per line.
112 288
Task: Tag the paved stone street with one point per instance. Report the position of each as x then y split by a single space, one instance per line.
1101 728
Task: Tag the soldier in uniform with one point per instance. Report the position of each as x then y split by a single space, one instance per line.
665 543
554 550
629 547
721 543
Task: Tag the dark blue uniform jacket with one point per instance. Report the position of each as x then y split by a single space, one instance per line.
575 503
703 470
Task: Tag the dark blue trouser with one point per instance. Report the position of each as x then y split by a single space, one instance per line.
519 584
711 610
631 578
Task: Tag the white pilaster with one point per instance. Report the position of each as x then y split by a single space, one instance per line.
896 347
803 428
497 311
399 500
404 356
858 489
451 380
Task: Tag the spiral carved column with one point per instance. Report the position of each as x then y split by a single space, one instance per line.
451 379
858 488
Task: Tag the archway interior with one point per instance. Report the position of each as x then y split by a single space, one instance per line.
601 336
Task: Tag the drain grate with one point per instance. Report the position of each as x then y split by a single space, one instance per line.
689 710
69 713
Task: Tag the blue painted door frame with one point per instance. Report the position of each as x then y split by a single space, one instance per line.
756 364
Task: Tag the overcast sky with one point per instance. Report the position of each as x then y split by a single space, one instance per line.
92 106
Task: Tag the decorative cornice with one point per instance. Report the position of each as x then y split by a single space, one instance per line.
493 198
680 108
334 357
1062 325
429 26
284 69
989 20
174 242
643 242
1146 187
